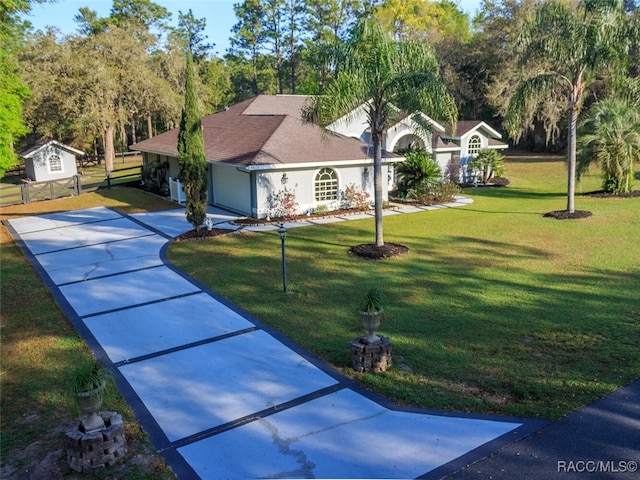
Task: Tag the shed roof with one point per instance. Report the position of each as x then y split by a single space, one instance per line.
29 150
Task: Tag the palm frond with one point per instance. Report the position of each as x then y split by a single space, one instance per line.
526 100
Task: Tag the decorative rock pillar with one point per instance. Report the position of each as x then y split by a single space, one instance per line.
88 452
371 357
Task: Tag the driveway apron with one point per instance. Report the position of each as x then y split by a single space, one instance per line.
222 395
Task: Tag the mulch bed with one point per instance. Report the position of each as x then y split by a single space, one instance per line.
250 221
371 251
601 194
201 234
566 215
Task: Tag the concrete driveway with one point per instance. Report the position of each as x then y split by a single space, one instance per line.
222 395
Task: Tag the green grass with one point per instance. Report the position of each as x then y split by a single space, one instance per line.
494 308
39 347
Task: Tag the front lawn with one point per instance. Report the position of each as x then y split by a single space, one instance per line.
494 308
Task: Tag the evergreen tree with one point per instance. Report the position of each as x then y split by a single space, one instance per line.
191 159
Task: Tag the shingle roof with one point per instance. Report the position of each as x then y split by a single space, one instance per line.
465 126
264 130
443 141
29 150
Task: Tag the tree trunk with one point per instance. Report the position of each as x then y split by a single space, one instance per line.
133 131
109 150
149 127
571 156
377 185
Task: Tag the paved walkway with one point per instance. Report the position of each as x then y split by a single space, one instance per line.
221 394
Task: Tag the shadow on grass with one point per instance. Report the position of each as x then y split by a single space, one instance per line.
510 193
481 324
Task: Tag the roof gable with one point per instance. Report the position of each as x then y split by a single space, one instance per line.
33 148
467 127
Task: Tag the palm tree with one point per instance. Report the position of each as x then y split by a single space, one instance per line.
489 162
610 136
576 44
419 168
391 79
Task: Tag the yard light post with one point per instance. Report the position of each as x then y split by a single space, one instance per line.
283 234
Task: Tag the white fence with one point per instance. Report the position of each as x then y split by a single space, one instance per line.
176 191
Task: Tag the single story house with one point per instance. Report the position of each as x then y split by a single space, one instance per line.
261 147
47 160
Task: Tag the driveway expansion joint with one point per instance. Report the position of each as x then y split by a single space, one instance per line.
198 387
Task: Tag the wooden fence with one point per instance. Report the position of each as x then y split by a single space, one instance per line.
18 192
34 191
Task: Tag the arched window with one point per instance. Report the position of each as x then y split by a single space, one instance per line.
326 185
55 164
475 144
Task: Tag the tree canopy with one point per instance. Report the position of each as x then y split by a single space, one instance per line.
576 45
277 46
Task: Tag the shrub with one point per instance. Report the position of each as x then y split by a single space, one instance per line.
321 209
489 163
442 192
283 205
154 176
445 192
355 197
453 170
418 169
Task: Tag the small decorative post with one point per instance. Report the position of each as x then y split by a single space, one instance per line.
283 234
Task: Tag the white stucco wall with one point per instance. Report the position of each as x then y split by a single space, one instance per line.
354 125
231 188
301 181
404 133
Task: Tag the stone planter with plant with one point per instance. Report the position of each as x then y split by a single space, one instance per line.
90 384
371 308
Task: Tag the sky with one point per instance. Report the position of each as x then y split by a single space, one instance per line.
219 15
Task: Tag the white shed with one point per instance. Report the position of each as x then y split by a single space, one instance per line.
46 160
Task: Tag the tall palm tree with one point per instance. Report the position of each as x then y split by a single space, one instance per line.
610 136
391 79
577 43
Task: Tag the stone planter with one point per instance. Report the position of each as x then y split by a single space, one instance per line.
88 452
370 322
90 403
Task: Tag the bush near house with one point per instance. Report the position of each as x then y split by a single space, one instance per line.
419 171
355 197
489 163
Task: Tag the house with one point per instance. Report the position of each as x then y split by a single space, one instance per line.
47 160
453 152
401 135
261 147
450 151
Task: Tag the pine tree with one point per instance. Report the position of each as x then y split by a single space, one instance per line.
191 159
